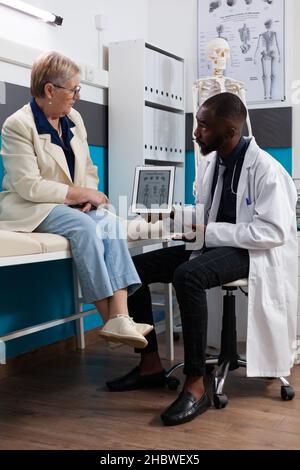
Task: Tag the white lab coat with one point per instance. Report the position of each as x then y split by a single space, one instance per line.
266 227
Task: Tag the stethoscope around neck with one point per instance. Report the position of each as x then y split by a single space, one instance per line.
232 177
248 199
232 180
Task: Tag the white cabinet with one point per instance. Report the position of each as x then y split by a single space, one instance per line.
146 115
163 135
164 78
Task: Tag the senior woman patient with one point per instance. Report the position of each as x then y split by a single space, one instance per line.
50 185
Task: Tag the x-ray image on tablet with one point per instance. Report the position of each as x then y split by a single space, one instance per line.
153 189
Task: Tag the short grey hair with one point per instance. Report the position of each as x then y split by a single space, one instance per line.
51 67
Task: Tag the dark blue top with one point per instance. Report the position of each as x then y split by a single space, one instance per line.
43 126
233 163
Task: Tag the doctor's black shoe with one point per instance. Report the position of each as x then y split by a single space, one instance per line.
185 408
135 381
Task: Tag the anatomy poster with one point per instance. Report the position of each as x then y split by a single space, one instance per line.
254 30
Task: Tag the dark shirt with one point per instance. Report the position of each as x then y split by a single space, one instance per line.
43 126
233 163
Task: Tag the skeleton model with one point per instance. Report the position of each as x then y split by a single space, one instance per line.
269 43
217 52
245 38
220 31
214 5
146 195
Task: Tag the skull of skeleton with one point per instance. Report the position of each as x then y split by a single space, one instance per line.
217 52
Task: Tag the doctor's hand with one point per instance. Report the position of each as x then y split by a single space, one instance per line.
153 218
191 236
201 228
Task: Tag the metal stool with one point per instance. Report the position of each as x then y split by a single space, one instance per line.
228 358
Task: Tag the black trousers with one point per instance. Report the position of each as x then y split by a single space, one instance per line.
190 278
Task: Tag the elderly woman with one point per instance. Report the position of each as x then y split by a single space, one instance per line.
50 185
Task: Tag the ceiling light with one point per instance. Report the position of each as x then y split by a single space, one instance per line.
33 11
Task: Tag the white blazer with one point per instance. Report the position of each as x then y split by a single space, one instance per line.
37 177
266 226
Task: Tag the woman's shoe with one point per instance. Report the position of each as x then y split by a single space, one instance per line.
142 328
122 329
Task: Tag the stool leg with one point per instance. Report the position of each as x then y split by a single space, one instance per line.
220 377
229 336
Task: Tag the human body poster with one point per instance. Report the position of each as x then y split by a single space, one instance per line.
255 32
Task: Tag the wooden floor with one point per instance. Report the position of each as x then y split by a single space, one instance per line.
63 404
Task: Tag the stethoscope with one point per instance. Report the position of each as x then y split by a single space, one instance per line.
232 178
248 199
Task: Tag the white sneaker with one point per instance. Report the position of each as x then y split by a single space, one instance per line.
142 328
122 329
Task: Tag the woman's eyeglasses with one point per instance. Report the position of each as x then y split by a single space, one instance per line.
75 90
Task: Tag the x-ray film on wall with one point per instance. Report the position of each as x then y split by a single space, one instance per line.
255 32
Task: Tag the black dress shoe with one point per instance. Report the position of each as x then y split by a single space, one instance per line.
135 381
185 408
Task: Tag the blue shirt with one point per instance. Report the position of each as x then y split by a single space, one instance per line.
233 163
43 126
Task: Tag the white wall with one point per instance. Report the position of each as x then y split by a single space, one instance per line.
172 25
77 37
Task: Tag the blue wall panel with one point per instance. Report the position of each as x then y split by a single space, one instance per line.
284 156
35 293
99 157
41 292
189 176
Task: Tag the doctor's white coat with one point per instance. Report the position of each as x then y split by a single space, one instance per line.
266 227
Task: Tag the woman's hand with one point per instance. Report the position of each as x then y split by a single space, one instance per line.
81 196
97 198
87 207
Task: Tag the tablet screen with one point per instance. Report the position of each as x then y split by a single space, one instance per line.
153 189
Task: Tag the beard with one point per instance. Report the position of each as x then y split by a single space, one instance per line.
212 147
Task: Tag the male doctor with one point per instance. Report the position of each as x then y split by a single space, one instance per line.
250 231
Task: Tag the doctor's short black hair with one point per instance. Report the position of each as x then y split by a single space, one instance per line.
227 106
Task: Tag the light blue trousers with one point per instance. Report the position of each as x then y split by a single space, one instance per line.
99 250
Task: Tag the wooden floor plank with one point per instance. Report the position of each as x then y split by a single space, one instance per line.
63 404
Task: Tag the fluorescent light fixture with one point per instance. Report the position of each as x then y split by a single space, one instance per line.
32 11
